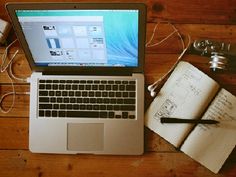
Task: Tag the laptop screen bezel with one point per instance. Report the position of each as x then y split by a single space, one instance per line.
13 7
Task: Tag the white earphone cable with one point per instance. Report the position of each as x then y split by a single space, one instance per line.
153 86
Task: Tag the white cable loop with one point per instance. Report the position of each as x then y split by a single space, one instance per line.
8 68
153 86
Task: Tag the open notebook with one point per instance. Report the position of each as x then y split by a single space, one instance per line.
190 94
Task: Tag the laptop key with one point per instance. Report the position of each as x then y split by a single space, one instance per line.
45 106
62 106
127 107
132 94
130 87
48 113
48 86
77 93
80 114
44 99
82 107
62 81
54 113
41 81
66 100
125 115
61 87
125 94
118 116
64 93
69 106
59 100
43 93
51 93
62 114
117 82
75 106
41 113
55 106
55 81
129 101
89 107
58 93
95 107
48 81
74 87
111 114
55 87
103 114
41 86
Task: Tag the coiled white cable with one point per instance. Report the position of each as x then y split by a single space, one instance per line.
8 69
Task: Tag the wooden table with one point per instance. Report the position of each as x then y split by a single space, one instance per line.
214 20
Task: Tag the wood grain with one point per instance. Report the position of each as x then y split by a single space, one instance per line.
14 133
176 11
25 163
21 105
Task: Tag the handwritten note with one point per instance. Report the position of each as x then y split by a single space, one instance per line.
191 94
211 144
185 94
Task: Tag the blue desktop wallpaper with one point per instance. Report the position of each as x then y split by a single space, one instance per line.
122 38
121 31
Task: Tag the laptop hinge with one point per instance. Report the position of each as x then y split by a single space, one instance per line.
96 73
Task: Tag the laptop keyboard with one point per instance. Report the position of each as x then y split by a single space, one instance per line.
114 99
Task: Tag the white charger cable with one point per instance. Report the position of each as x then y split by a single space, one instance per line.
7 67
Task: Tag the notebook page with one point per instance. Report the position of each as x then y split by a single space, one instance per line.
185 94
211 144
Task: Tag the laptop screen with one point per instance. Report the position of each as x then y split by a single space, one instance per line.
106 38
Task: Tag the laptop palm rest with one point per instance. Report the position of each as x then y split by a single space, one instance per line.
85 136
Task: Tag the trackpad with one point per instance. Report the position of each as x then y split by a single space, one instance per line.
85 136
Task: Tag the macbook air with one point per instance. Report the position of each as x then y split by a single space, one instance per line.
87 82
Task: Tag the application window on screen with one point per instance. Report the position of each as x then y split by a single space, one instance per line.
83 41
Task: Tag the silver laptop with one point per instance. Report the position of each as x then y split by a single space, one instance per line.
87 82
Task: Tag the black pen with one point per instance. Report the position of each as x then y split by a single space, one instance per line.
191 121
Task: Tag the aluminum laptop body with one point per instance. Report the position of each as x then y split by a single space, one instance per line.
83 41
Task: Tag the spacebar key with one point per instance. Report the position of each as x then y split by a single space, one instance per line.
80 114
